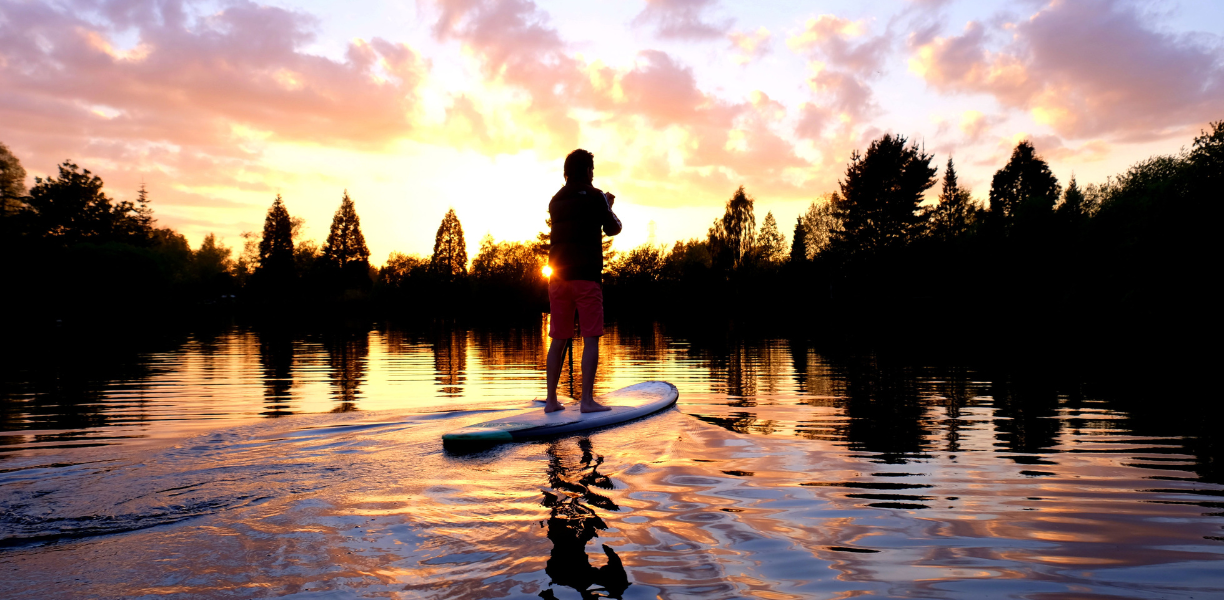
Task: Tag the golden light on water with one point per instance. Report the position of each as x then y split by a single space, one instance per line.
547 271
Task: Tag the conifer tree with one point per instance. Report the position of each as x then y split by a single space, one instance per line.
880 194
1024 190
955 212
771 244
450 250
950 183
143 212
276 245
798 253
345 244
1075 206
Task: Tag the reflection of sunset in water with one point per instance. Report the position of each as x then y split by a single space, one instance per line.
783 472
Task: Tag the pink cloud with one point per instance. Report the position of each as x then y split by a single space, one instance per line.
833 40
844 60
518 47
682 19
188 83
665 92
974 125
749 47
190 105
813 119
1086 68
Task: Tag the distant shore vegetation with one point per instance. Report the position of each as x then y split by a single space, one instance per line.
1131 254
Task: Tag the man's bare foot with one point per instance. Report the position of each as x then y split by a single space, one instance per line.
589 406
553 406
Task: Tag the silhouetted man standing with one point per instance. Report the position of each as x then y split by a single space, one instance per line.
579 212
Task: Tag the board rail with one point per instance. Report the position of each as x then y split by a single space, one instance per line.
628 404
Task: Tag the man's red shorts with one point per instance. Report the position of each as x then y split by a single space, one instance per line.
566 297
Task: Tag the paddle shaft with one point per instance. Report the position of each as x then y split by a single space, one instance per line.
569 349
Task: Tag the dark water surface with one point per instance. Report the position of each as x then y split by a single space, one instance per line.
242 463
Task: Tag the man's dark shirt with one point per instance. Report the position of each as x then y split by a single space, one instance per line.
578 213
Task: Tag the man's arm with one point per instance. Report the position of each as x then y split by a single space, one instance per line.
611 224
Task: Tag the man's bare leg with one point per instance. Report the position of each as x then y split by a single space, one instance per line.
556 351
590 362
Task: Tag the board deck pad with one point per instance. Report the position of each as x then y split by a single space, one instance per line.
627 403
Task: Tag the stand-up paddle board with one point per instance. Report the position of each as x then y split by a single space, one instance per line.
627 403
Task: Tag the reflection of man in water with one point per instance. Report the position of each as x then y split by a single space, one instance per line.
572 524
578 212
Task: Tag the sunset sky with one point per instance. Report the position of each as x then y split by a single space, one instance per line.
417 106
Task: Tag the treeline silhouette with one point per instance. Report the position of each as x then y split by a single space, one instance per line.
76 253
1129 258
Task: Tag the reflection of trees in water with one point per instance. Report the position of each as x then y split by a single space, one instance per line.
572 523
883 406
513 347
814 378
735 374
1181 413
396 340
817 387
276 361
65 381
741 369
207 343
770 360
1024 414
346 355
887 401
638 341
954 390
450 359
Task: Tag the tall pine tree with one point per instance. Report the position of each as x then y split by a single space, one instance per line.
143 212
956 211
346 246
1075 206
449 259
771 244
276 245
798 253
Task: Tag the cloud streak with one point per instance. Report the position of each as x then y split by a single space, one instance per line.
191 81
1085 68
682 20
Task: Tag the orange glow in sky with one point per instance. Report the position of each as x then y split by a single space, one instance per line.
421 107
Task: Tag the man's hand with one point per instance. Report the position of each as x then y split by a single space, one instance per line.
611 198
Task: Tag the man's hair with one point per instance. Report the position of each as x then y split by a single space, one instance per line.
578 166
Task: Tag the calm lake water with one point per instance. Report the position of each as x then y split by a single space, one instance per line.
241 463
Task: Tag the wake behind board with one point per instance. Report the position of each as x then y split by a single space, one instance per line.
627 403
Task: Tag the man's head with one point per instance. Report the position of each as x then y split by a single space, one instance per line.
579 166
